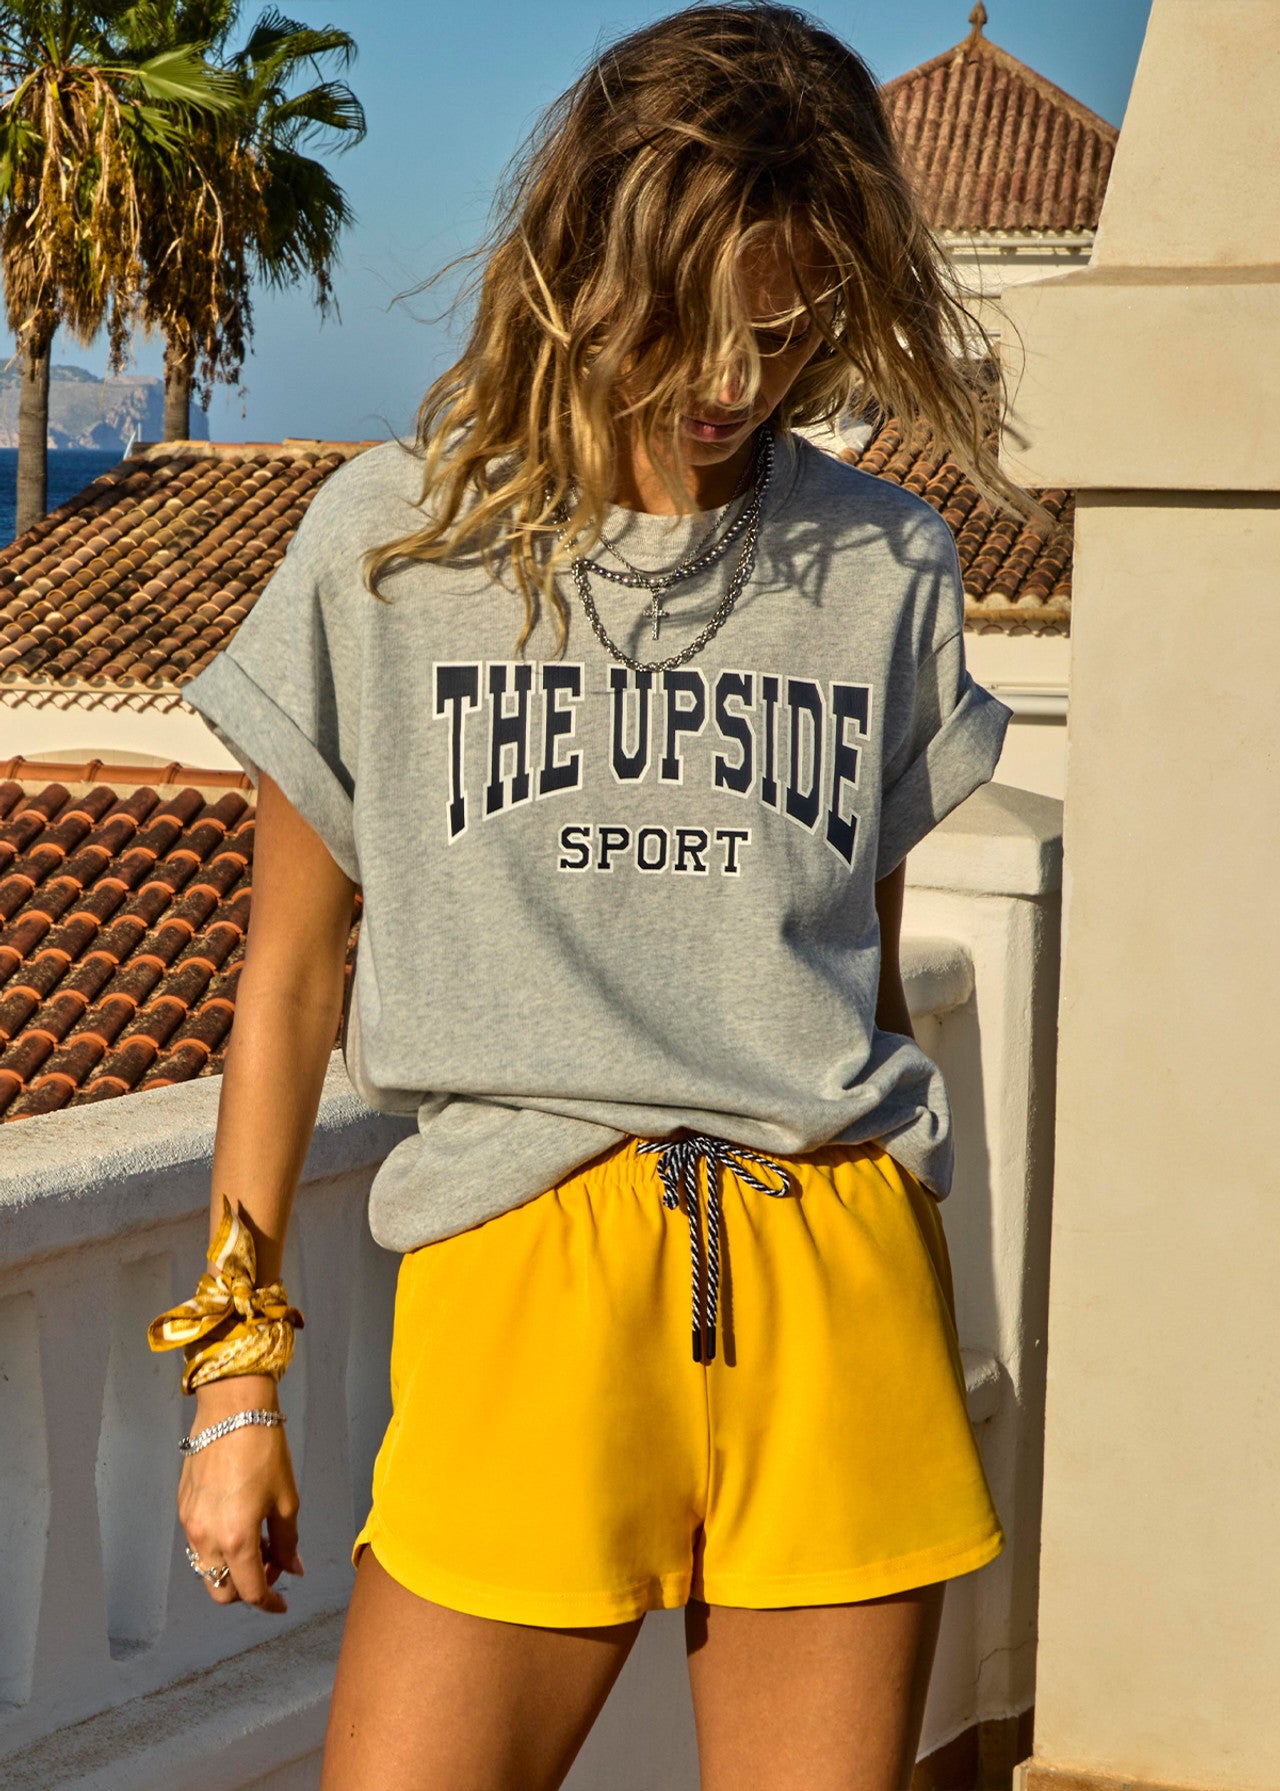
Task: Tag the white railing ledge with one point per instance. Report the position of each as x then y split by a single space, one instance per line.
1047 701
230 1725
937 974
982 1377
1000 841
112 1168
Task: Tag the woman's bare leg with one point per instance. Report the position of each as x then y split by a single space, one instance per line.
825 1697
432 1699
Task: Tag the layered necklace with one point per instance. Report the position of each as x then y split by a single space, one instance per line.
697 560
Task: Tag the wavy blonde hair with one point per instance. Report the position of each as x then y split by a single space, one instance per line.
613 264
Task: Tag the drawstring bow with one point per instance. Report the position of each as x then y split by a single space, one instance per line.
677 1166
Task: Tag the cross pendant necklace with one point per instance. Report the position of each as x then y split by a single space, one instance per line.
656 611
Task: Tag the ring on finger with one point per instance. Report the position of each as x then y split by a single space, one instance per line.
216 1576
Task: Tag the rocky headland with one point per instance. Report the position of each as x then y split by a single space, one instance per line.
88 412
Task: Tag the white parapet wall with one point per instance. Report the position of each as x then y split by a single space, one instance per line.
117 1674
115 1669
1031 675
990 877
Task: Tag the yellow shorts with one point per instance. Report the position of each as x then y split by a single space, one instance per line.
557 1456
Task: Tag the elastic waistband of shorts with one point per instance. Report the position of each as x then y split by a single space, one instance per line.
689 1162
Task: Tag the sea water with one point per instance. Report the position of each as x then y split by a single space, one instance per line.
70 470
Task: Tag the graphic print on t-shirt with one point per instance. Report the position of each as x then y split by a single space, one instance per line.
783 742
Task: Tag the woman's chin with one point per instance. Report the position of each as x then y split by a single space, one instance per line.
704 444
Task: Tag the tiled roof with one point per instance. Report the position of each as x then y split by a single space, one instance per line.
144 575
996 147
125 592
1014 578
124 902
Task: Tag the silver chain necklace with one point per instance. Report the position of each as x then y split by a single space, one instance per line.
750 520
695 561
654 579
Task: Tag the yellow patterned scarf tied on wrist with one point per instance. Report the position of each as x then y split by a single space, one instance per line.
229 1326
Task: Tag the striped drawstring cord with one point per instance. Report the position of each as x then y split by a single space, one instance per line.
678 1160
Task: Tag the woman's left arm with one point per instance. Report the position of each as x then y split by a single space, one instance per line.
891 1000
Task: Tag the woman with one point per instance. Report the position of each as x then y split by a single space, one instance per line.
623 705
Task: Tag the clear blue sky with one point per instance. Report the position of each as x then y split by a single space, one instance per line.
449 94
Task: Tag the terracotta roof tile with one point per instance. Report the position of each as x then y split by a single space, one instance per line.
180 534
1014 578
124 903
997 147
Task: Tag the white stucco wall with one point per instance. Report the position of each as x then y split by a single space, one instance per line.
1159 1655
71 730
1031 673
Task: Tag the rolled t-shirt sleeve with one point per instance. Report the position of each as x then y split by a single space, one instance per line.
283 694
954 740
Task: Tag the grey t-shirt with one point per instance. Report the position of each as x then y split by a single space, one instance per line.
600 902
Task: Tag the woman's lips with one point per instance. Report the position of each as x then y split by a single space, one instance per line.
704 430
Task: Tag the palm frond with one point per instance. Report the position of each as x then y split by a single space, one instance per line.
181 76
278 39
306 211
331 106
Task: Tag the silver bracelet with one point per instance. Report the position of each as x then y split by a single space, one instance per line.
191 1445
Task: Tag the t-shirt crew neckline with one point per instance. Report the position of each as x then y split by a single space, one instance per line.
661 528
672 533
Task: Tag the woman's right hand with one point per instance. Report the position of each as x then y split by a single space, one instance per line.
233 1486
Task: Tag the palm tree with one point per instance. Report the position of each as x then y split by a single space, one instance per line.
83 135
251 202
